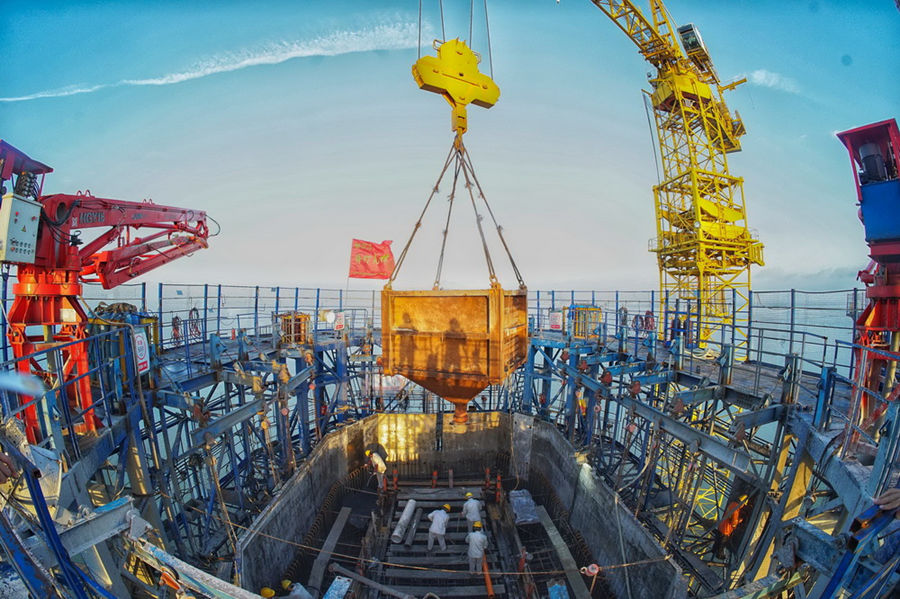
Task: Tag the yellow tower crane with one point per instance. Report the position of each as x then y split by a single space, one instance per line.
703 245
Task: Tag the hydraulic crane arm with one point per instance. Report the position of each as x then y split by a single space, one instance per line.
41 235
171 233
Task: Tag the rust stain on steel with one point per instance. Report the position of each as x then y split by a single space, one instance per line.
454 342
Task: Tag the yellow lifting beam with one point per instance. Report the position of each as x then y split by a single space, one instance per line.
454 74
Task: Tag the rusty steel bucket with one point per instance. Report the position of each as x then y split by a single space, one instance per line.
454 343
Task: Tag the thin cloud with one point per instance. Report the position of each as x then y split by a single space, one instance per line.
765 78
397 36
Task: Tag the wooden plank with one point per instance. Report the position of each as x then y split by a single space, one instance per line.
461 549
424 560
417 575
454 591
454 537
433 504
318 569
576 582
439 493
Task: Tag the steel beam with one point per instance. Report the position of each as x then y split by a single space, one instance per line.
225 423
735 461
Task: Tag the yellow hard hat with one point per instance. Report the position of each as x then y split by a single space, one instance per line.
286 584
368 452
468 494
447 506
477 524
267 592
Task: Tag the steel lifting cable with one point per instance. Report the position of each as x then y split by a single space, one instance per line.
478 218
418 224
471 19
419 47
440 266
487 26
512 261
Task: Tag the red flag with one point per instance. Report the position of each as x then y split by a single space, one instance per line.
370 260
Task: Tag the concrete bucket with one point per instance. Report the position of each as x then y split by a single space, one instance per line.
455 342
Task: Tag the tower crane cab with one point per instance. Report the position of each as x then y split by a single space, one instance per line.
696 50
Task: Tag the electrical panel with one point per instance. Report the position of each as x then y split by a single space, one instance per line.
19 223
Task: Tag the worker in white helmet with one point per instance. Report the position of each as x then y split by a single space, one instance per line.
378 465
438 528
472 510
477 541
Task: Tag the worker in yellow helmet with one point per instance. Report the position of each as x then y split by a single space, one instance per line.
438 528
377 464
472 510
295 589
477 541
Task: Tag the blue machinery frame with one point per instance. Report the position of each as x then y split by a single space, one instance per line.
205 439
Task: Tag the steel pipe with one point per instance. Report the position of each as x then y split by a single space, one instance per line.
405 517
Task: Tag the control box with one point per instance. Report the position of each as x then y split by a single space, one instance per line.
19 223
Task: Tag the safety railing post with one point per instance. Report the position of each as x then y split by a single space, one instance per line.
617 310
666 320
853 333
733 315
5 338
219 311
793 320
316 315
160 312
205 310
256 311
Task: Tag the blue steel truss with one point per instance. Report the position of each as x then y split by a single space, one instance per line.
206 438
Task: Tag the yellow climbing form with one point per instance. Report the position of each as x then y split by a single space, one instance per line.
454 74
703 245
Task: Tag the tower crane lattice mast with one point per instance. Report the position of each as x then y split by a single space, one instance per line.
703 245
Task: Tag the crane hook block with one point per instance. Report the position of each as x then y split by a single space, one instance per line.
454 74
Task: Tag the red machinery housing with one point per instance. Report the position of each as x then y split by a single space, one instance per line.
41 235
875 153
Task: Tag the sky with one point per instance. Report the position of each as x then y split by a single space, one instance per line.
297 126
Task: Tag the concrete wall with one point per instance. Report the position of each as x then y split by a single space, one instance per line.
613 534
406 439
410 440
293 509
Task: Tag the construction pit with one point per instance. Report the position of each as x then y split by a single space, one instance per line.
331 525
